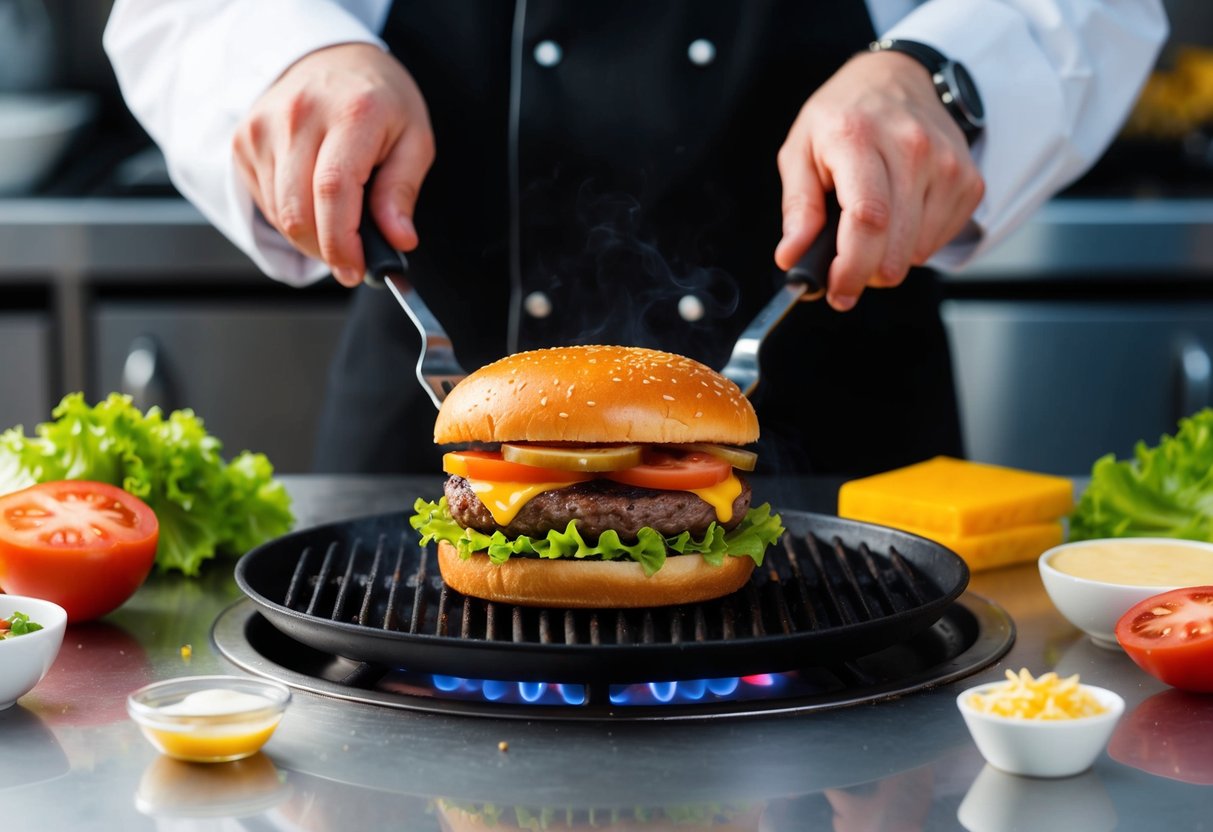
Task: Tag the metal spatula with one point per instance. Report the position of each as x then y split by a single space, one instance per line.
807 280
437 368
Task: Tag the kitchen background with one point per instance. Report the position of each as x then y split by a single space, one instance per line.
1089 329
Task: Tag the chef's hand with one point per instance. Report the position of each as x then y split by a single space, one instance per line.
876 134
311 140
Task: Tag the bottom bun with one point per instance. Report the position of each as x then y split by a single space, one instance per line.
567 582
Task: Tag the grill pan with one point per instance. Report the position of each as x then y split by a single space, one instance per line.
831 590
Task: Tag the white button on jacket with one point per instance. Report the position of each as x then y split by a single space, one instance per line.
1056 77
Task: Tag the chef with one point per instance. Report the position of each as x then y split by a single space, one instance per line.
636 171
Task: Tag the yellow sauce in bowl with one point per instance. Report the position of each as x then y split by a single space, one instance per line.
212 744
1137 563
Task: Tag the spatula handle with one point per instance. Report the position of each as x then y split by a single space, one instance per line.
381 257
814 268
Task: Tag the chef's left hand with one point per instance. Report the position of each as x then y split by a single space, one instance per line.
877 134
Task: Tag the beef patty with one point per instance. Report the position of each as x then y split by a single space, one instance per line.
596 505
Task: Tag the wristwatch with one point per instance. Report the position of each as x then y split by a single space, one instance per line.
952 82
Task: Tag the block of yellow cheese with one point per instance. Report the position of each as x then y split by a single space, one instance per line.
1003 548
956 498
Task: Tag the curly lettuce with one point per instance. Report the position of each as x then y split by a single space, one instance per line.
205 505
1163 491
757 530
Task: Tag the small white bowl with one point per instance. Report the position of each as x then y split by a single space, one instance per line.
1041 748
25 659
203 733
1095 606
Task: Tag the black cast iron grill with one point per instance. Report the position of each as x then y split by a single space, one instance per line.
833 590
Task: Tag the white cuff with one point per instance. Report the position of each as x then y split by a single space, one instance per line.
1056 80
191 76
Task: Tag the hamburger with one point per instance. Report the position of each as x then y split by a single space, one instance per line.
596 476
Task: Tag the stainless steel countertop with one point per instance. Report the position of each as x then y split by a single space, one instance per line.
142 239
74 761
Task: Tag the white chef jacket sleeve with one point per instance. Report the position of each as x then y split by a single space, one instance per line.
1057 78
191 70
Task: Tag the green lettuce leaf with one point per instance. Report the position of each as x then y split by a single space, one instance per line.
757 530
1163 491
205 506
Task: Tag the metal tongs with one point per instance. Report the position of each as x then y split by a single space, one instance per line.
807 280
437 368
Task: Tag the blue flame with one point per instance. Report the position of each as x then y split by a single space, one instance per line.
446 684
494 690
531 691
572 694
723 687
757 686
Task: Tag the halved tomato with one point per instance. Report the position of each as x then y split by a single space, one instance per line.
674 472
489 465
1170 636
87 546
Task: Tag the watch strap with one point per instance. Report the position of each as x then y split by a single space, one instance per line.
945 75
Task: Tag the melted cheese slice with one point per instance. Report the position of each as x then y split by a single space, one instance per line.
720 496
505 499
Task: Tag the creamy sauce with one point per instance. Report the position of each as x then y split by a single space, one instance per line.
217 702
1137 563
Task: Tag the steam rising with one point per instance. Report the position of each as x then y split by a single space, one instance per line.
633 285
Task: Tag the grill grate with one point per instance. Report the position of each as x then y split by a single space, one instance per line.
833 589
394 588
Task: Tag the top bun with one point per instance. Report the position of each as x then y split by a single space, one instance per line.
596 394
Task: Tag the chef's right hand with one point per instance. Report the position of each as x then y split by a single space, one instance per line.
310 142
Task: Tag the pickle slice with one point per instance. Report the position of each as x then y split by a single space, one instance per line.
737 457
585 458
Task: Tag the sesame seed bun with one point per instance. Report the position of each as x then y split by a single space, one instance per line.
596 394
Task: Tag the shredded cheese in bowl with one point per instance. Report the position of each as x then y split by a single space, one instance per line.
1047 698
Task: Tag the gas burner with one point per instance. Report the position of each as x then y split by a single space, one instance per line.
972 634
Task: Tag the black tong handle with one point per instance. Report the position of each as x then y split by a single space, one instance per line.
381 258
814 268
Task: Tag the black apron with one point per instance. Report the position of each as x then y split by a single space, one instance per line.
601 180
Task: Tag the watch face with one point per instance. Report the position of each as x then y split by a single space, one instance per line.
966 91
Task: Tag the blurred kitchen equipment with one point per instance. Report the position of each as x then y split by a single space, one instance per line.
35 130
807 280
437 368
26 46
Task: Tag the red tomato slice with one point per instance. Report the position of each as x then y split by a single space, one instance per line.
674 472
1170 636
489 465
87 546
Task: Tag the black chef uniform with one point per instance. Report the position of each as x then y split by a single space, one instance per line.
606 174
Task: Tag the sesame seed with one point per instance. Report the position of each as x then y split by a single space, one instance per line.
644 381
699 395
563 415
543 402
667 397
698 413
590 404
569 393
616 378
